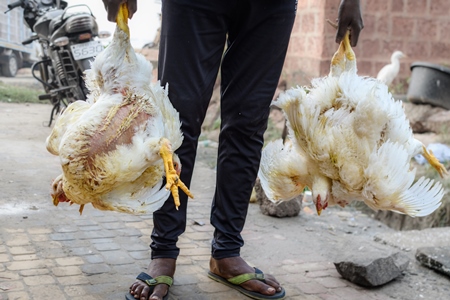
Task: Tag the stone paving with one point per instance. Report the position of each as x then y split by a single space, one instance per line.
49 252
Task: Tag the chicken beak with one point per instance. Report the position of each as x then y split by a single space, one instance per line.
319 210
318 205
55 200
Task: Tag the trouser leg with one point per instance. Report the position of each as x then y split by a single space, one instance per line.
250 72
192 42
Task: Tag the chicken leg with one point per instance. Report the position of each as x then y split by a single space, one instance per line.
173 182
434 162
343 55
122 18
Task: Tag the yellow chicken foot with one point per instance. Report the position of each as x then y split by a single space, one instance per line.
345 49
173 182
122 19
434 162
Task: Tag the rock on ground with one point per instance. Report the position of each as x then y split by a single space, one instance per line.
289 208
371 268
436 258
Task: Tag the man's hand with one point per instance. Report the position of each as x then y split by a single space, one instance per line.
112 7
349 18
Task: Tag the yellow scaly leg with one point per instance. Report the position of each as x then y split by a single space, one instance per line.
338 62
122 19
173 182
434 162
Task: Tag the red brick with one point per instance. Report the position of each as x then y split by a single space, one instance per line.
302 4
308 23
388 47
439 51
417 51
297 25
316 4
403 27
369 23
444 30
332 6
439 8
416 6
383 25
398 5
314 46
377 6
366 68
427 30
370 48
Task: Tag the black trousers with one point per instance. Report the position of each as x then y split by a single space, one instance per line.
193 38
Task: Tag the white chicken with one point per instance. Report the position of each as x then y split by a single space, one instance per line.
388 73
350 140
116 148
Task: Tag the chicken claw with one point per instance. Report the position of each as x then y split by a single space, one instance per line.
173 182
434 162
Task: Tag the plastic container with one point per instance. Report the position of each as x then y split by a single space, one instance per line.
430 84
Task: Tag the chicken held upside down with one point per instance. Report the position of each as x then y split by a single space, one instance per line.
116 148
350 140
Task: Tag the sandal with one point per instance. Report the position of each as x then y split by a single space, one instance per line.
152 282
235 283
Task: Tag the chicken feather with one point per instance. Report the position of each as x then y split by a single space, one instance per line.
116 148
352 142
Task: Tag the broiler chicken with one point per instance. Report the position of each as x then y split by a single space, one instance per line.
349 140
116 148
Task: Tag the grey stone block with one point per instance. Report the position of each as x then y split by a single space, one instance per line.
436 258
371 269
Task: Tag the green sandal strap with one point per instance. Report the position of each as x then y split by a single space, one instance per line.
150 281
240 279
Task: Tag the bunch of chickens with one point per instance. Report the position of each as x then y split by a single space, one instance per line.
349 140
116 148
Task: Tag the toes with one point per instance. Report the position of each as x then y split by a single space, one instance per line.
139 290
269 286
159 292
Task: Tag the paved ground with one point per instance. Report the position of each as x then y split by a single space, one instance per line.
49 252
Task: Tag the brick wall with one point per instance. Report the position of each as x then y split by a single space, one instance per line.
419 28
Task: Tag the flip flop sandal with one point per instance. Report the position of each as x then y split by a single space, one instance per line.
235 283
152 282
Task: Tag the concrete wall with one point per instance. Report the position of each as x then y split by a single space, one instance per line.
419 28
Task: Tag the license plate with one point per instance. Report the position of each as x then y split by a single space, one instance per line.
86 50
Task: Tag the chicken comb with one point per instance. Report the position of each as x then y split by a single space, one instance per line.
122 19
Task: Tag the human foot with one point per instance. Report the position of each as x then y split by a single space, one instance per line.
231 267
160 266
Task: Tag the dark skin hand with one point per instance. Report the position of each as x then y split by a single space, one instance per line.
112 7
349 18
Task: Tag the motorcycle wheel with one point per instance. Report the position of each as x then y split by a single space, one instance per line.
10 68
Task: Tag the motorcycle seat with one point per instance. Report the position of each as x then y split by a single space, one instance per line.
59 21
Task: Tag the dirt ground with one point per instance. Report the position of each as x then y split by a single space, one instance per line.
26 171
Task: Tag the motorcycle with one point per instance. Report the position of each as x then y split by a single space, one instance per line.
68 40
